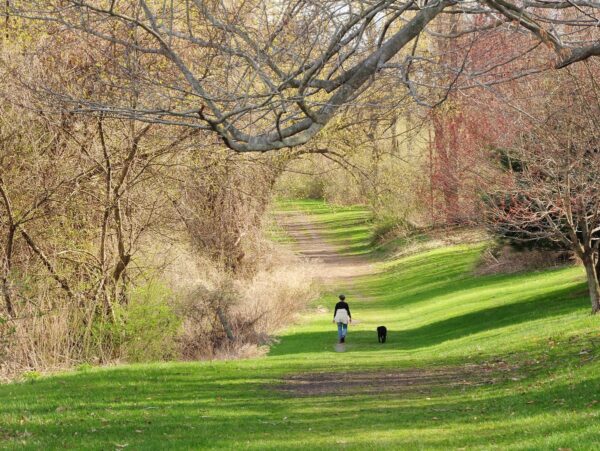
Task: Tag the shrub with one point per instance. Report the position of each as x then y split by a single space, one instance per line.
150 326
272 299
206 318
315 189
84 367
226 318
506 259
389 227
30 376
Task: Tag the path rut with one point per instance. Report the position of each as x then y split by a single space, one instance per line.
335 269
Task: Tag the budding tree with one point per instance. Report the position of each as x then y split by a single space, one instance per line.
266 75
555 194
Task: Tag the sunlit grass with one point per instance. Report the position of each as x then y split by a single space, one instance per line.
349 228
438 314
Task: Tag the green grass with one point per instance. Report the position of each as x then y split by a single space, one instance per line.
438 314
349 228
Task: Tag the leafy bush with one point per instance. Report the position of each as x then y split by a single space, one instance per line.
30 376
84 367
315 189
297 185
388 227
150 326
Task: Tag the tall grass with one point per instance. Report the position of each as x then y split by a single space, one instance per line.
175 314
232 318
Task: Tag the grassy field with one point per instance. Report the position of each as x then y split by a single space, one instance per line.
494 362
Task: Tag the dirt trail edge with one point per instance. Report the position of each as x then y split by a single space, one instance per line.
337 271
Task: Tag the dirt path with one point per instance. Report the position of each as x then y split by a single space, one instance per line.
335 269
341 271
417 381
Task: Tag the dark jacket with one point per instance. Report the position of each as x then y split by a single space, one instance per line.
342 305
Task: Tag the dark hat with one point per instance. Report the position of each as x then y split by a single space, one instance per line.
342 297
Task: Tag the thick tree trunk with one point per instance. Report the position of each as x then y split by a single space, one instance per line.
593 285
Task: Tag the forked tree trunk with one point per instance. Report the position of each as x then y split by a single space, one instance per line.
593 285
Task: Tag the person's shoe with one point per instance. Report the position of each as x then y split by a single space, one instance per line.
343 340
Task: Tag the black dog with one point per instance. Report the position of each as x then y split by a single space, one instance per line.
381 334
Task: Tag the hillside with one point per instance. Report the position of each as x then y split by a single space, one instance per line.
471 362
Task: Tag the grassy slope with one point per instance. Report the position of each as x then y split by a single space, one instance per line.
437 313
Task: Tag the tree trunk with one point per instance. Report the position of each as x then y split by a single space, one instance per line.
225 323
6 295
593 285
6 271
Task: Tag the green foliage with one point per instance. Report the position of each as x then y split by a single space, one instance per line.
31 376
381 164
315 189
150 325
143 330
439 315
302 186
83 367
508 161
383 228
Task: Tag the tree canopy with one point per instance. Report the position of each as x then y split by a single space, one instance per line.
265 75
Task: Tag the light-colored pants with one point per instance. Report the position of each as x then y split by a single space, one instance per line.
342 329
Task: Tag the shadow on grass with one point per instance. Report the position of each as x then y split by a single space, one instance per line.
546 306
446 273
163 408
419 278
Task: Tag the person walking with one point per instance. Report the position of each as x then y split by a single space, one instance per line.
342 316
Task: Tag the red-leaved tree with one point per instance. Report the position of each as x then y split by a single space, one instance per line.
554 195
